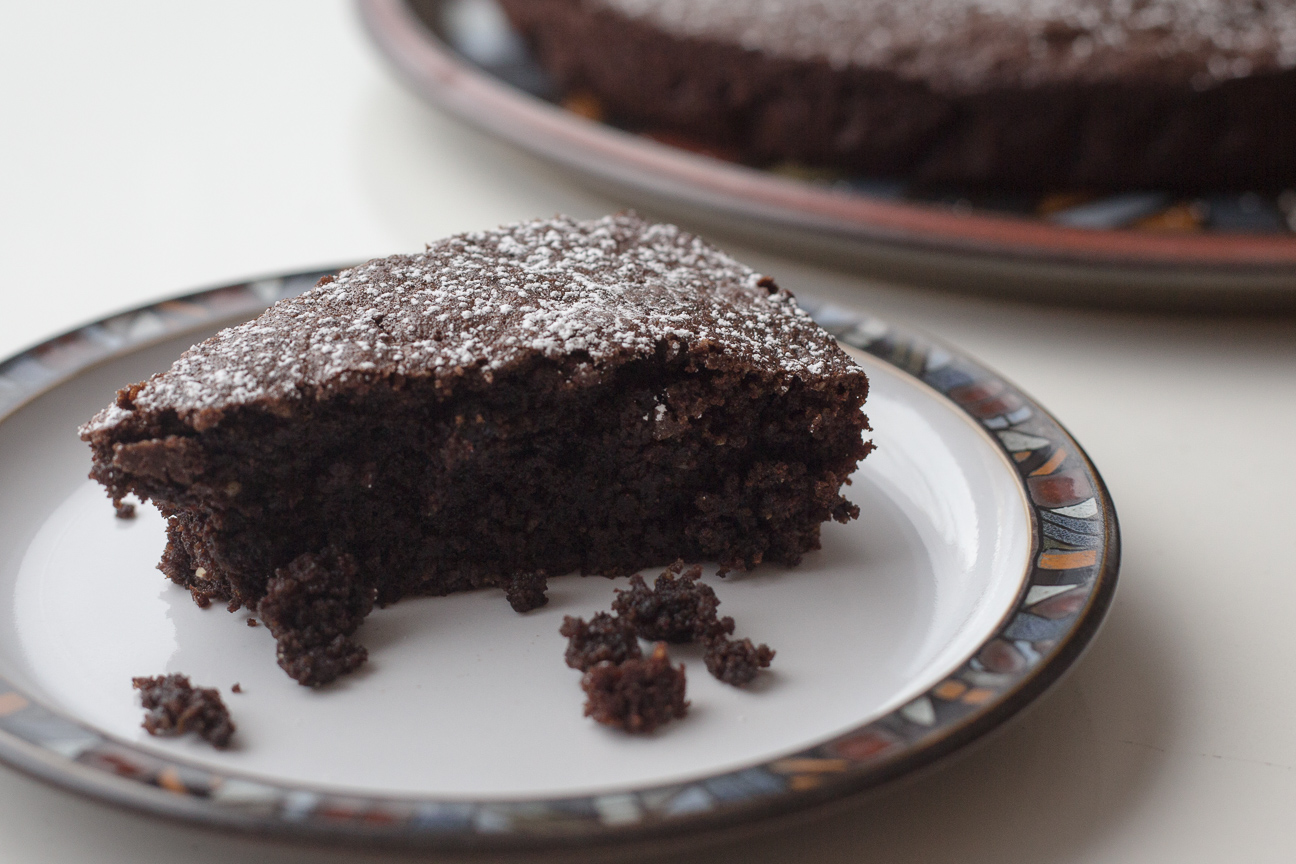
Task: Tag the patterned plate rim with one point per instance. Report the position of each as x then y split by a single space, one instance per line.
623 159
1072 576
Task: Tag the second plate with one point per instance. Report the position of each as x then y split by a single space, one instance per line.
461 56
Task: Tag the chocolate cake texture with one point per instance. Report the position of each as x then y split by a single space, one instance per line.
549 397
1031 95
173 706
637 695
603 639
678 608
736 661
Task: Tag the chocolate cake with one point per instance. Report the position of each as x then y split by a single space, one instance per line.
603 639
312 606
636 695
173 707
1031 95
736 661
549 397
678 608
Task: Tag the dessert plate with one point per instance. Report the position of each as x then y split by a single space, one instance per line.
1143 247
984 559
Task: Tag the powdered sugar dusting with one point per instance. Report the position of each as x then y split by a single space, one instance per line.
607 291
960 44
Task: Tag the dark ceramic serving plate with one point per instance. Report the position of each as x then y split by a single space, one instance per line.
1140 248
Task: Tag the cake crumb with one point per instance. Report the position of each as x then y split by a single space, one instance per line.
173 707
123 509
237 688
736 661
603 639
313 607
678 608
252 622
526 591
638 695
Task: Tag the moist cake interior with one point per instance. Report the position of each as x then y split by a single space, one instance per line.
530 473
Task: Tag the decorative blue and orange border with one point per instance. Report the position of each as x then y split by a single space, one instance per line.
1067 591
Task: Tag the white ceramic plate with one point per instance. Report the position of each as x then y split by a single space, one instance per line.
983 560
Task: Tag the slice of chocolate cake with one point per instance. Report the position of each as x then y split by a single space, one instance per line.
549 397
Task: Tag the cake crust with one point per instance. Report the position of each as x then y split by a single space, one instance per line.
481 305
966 46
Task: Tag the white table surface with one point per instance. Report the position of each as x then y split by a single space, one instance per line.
148 148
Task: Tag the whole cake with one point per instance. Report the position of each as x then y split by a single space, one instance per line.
1032 95
548 397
